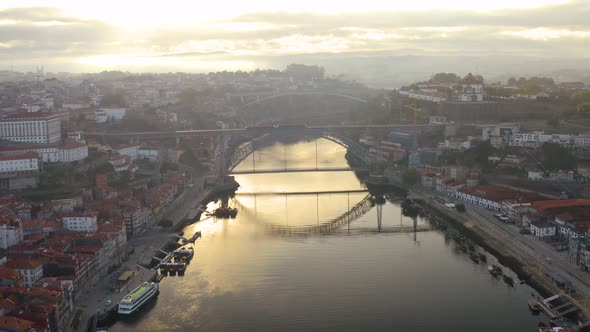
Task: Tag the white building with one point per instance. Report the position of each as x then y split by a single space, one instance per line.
31 128
129 150
151 154
536 176
10 234
73 151
504 130
75 104
542 229
31 270
101 116
22 164
436 97
582 141
49 153
114 114
469 90
80 222
538 138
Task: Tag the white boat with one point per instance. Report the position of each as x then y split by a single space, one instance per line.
137 298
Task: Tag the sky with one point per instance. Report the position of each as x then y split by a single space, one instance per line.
193 35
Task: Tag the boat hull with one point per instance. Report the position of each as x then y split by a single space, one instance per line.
126 311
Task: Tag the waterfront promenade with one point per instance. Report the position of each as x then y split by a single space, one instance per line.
92 299
535 255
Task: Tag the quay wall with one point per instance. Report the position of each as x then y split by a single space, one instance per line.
526 271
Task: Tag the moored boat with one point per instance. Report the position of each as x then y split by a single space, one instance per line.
137 298
508 280
553 329
461 246
483 257
494 270
183 254
534 306
474 257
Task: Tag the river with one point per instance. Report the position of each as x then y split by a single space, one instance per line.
251 274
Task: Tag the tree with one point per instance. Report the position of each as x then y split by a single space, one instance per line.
410 177
584 108
460 207
553 122
188 96
556 157
580 97
166 223
113 99
445 78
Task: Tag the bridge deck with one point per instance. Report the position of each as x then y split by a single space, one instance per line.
302 192
310 170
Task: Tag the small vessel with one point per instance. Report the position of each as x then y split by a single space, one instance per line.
462 246
137 298
494 270
497 268
483 257
508 280
163 268
225 212
183 254
534 306
474 257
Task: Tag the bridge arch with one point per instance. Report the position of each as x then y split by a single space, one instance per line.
341 95
246 149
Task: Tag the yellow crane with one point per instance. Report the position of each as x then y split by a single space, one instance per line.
415 110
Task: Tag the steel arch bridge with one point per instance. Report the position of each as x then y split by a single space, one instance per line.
284 94
244 150
334 225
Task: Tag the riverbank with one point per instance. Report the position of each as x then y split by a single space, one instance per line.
508 253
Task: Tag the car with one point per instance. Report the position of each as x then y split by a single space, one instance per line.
109 302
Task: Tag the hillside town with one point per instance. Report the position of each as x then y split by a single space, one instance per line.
73 203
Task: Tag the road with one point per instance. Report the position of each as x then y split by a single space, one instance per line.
526 247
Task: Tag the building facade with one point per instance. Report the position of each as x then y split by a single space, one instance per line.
44 128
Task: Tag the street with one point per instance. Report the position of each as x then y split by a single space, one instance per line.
526 247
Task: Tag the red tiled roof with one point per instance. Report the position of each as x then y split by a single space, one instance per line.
72 145
24 147
562 203
31 115
23 264
26 155
499 194
9 273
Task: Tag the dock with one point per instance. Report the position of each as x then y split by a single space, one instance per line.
558 306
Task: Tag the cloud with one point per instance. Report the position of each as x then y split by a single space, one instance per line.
48 34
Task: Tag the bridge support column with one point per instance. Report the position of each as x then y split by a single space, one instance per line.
379 216
222 161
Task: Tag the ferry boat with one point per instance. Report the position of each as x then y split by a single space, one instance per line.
137 298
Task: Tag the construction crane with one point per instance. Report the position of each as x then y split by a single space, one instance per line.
415 110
